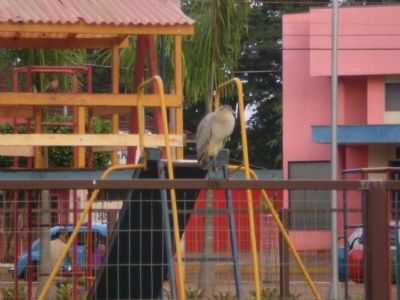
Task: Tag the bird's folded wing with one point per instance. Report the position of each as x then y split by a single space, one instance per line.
203 135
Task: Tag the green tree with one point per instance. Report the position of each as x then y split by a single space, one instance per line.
22 57
260 68
212 53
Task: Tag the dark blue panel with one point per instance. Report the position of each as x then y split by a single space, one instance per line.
358 134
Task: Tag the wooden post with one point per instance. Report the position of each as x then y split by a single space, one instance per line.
377 271
28 89
179 91
15 80
81 130
39 162
80 121
115 90
90 116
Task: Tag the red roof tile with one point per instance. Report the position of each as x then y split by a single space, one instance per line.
95 12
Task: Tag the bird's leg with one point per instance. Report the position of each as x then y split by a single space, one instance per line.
214 163
211 164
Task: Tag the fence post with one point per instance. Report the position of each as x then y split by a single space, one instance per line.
376 215
45 221
284 288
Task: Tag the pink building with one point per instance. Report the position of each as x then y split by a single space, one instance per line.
368 108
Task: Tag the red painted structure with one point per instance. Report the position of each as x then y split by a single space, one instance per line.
194 234
60 196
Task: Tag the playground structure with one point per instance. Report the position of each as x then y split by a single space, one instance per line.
126 269
29 108
152 289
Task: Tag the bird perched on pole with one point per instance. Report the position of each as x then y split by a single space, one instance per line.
212 133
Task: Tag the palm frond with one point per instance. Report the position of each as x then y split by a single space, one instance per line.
212 53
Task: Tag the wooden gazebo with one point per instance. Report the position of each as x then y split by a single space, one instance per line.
91 24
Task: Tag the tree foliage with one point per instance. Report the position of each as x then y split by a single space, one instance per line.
22 57
212 53
262 56
261 65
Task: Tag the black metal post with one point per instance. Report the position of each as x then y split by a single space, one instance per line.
232 235
284 272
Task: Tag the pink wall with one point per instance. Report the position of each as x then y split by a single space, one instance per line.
356 156
306 87
369 40
375 100
305 103
355 100
305 98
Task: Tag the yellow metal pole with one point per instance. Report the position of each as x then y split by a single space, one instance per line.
246 165
115 90
269 204
81 220
175 219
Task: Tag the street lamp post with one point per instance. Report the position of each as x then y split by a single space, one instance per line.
334 152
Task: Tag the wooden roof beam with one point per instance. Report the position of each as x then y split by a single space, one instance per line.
67 43
123 41
95 29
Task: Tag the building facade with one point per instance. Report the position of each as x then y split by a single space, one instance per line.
368 104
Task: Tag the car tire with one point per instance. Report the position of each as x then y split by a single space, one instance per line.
35 270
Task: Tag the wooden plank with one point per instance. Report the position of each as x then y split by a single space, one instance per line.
22 151
16 111
108 148
59 43
153 140
115 90
83 99
100 111
96 29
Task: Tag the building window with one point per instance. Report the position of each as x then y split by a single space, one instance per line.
392 97
309 210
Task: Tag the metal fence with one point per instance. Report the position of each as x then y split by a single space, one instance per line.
125 249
